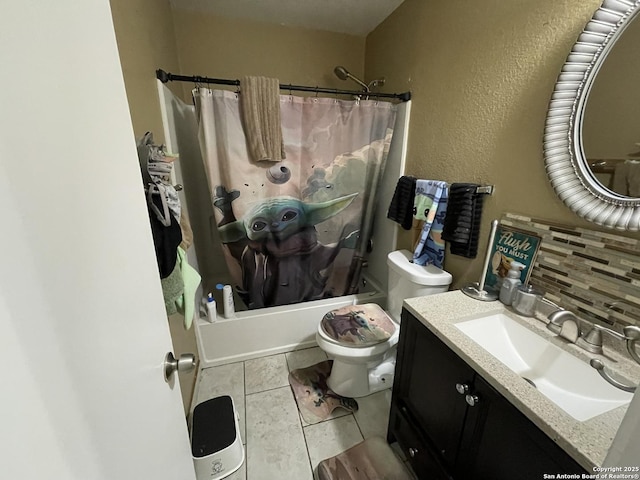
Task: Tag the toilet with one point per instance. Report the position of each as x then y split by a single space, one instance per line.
361 339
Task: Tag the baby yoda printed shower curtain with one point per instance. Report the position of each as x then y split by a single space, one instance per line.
295 230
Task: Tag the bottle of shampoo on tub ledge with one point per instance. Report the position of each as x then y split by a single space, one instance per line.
511 283
227 300
212 314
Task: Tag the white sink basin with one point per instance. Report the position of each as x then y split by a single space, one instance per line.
564 379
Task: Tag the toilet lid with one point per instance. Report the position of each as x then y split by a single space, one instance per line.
358 325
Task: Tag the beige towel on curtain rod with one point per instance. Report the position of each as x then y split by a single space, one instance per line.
260 102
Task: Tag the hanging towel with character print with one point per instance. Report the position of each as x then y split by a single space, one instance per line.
430 206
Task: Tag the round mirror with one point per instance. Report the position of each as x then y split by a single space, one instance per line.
592 139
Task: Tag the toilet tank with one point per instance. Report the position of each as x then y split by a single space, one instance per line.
407 280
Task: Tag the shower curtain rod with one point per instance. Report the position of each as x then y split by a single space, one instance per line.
165 77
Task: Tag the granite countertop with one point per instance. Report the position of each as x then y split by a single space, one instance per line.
586 442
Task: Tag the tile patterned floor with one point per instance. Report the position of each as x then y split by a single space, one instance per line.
279 444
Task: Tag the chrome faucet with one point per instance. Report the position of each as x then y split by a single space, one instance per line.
565 324
599 366
631 335
592 341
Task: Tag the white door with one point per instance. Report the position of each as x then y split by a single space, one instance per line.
83 332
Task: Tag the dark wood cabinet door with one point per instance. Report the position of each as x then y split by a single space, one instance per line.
429 374
423 457
499 442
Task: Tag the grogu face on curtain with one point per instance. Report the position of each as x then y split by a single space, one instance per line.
283 224
282 260
277 218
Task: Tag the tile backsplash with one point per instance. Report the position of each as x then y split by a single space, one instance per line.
594 274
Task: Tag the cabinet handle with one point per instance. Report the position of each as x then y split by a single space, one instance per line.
412 452
472 400
462 388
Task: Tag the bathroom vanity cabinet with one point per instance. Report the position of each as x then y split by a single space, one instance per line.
452 424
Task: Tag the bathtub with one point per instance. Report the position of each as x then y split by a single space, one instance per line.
268 331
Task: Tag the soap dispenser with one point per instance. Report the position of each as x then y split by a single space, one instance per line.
511 282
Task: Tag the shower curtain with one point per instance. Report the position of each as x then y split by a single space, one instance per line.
295 230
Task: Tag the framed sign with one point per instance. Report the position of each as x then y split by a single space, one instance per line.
511 245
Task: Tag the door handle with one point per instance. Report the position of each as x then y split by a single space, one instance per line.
185 363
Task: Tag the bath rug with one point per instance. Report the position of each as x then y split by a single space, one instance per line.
372 459
314 398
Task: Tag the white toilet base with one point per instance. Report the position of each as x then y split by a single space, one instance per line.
381 377
359 371
361 379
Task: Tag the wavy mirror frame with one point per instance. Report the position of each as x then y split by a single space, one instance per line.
564 157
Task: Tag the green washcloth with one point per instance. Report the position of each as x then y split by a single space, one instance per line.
191 280
172 289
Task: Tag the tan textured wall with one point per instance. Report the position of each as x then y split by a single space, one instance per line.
144 32
228 48
146 42
481 74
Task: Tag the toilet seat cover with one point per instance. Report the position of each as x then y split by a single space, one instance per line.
358 325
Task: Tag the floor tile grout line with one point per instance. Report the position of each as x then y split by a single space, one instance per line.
328 419
267 390
299 423
262 358
306 444
270 356
358 425
286 360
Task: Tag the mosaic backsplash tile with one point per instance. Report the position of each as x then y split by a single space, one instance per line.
595 274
